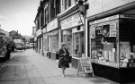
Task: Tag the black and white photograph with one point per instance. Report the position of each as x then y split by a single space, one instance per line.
67 42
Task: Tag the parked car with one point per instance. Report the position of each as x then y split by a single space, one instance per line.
19 46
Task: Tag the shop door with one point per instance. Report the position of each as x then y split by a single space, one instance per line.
78 44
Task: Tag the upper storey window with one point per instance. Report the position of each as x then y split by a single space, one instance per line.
65 4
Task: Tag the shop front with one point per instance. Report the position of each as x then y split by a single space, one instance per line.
112 47
67 38
73 36
78 42
39 40
52 35
53 40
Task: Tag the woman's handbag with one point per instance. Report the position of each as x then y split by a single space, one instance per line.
68 59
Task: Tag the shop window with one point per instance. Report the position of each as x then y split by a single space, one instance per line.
53 41
58 6
69 3
103 42
127 42
67 36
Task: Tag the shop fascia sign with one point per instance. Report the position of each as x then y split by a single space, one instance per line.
105 19
53 33
72 21
38 32
52 25
75 30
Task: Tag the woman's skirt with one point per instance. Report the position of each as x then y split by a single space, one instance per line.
62 63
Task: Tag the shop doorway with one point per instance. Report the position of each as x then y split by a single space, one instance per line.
78 44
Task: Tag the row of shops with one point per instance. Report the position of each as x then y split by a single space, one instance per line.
107 39
48 39
70 32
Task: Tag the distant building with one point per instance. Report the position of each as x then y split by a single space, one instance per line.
15 35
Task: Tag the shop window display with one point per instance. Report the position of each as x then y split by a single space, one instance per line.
103 43
53 41
127 43
113 45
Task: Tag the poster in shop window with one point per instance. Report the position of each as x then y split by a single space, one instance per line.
113 30
92 32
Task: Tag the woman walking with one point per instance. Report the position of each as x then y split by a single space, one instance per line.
64 59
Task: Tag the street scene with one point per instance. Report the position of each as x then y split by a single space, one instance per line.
67 42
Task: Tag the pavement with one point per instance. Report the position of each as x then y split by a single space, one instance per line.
29 67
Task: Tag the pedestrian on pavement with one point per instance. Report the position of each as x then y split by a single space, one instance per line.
64 59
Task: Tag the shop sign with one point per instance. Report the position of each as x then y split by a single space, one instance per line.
53 33
38 32
105 19
66 32
75 30
72 21
52 25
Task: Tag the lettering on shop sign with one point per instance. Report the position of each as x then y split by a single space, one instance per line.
71 21
38 32
52 25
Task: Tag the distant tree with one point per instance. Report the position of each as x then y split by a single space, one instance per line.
15 35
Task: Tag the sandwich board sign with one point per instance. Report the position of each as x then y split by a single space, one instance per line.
85 66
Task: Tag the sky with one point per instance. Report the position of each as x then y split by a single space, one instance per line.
18 15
